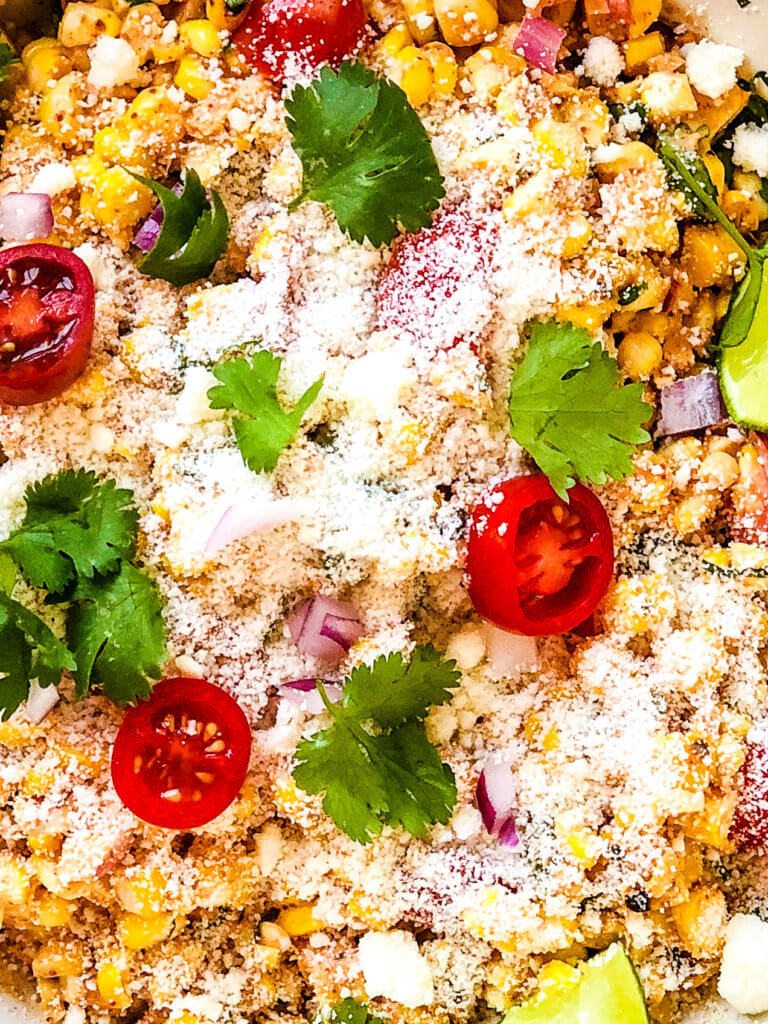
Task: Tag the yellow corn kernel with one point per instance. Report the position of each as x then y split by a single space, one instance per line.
694 511
193 77
395 40
202 36
640 604
637 52
657 324
710 257
712 825
643 13
557 976
117 144
137 932
153 110
741 208
551 740
584 845
639 354
111 986
579 232
466 22
39 780
562 145
57 960
420 15
46 843
44 63
272 935
83 23
654 293
52 911
751 183
586 314
701 921
141 893
18 734
15 883
716 171
417 79
491 68
185 1017
668 96
442 60
714 115
299 920
590 115
111 196
533 196
217 12
37 46
58 110
631 156
142 28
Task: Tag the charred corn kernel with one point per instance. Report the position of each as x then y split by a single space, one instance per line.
420 15
57 960
579 232
15 883
639 354
83 23
466 22
442 60
193 77
557 976
143 27
694 511
668 96
631 156
716 171
709 256
218 13
395 40
137 932
111 196
45 63
586 314
751 183
637 52
47 843
712 825
714 115
417 79
58 110
719 468
491 68
141 893
701 921
154 111
530 197
202 36
741 208
111 986
562 145
299 920
643 13
590 115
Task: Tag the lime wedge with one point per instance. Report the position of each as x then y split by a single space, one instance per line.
744 368
609 992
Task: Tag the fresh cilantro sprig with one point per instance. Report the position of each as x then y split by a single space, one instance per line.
193 234
364 152
8 58
567 410
688 174
28 650
351 1012
263 429
375 765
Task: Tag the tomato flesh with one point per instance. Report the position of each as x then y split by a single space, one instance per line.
435 288
749 496
749 830
536 564
47 306
290 38
181 757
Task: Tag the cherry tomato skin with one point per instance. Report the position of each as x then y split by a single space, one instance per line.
285 38
536 565
47 306
181 757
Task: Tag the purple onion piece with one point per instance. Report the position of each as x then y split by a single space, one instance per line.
539 41
325 628
304 694
690 404
496 796
25 215
149 231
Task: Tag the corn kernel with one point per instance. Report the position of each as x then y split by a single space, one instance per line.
741 208
557 976
193 78
668 96
417 78
116 144
590 115
44 63
562 145
46 843
82 24
444 70
528 198
109 982
153 110
202 36
694 511
299 920
141 893
586 314
420 15
643 13
579 232
395 40
15 883
710 257
631 156
701 921
714 115
712 825
637 52
52 911
57 960
466 22
218 13
58 110
639 354
719 468
751 183
142 28
137 932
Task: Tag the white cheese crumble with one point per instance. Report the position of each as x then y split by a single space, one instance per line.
603 61
711 67
103 277
374 385
113 62
393 967
743 979
53 178
750 148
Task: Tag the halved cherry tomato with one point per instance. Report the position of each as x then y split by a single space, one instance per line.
749 495
46 322
286 38
535 564
435 288
181 757
749 830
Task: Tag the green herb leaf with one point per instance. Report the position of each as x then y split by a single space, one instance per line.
390 776
631 293
28 650
619 110
117 635
7 574
365 153
741 311
236 6
264 428
351 1012
193 235
74 526
567 410
7 59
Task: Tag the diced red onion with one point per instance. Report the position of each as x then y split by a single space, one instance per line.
496 799
41 700
149 231
539 41
25 215
692 403
509 653
324 627
305 694
240 521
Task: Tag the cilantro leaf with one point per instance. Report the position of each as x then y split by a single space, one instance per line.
631 292
7 59
567 410
264 429
28 650
390 776
351 1012
7 574
117 635
193 234
74 525
364 152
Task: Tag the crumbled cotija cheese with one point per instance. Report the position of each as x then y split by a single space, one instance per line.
393 967
711 67
750 148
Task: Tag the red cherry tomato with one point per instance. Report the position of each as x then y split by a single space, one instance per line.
46 322
435 287
181 757
749 830
535 564
286 38
749 495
